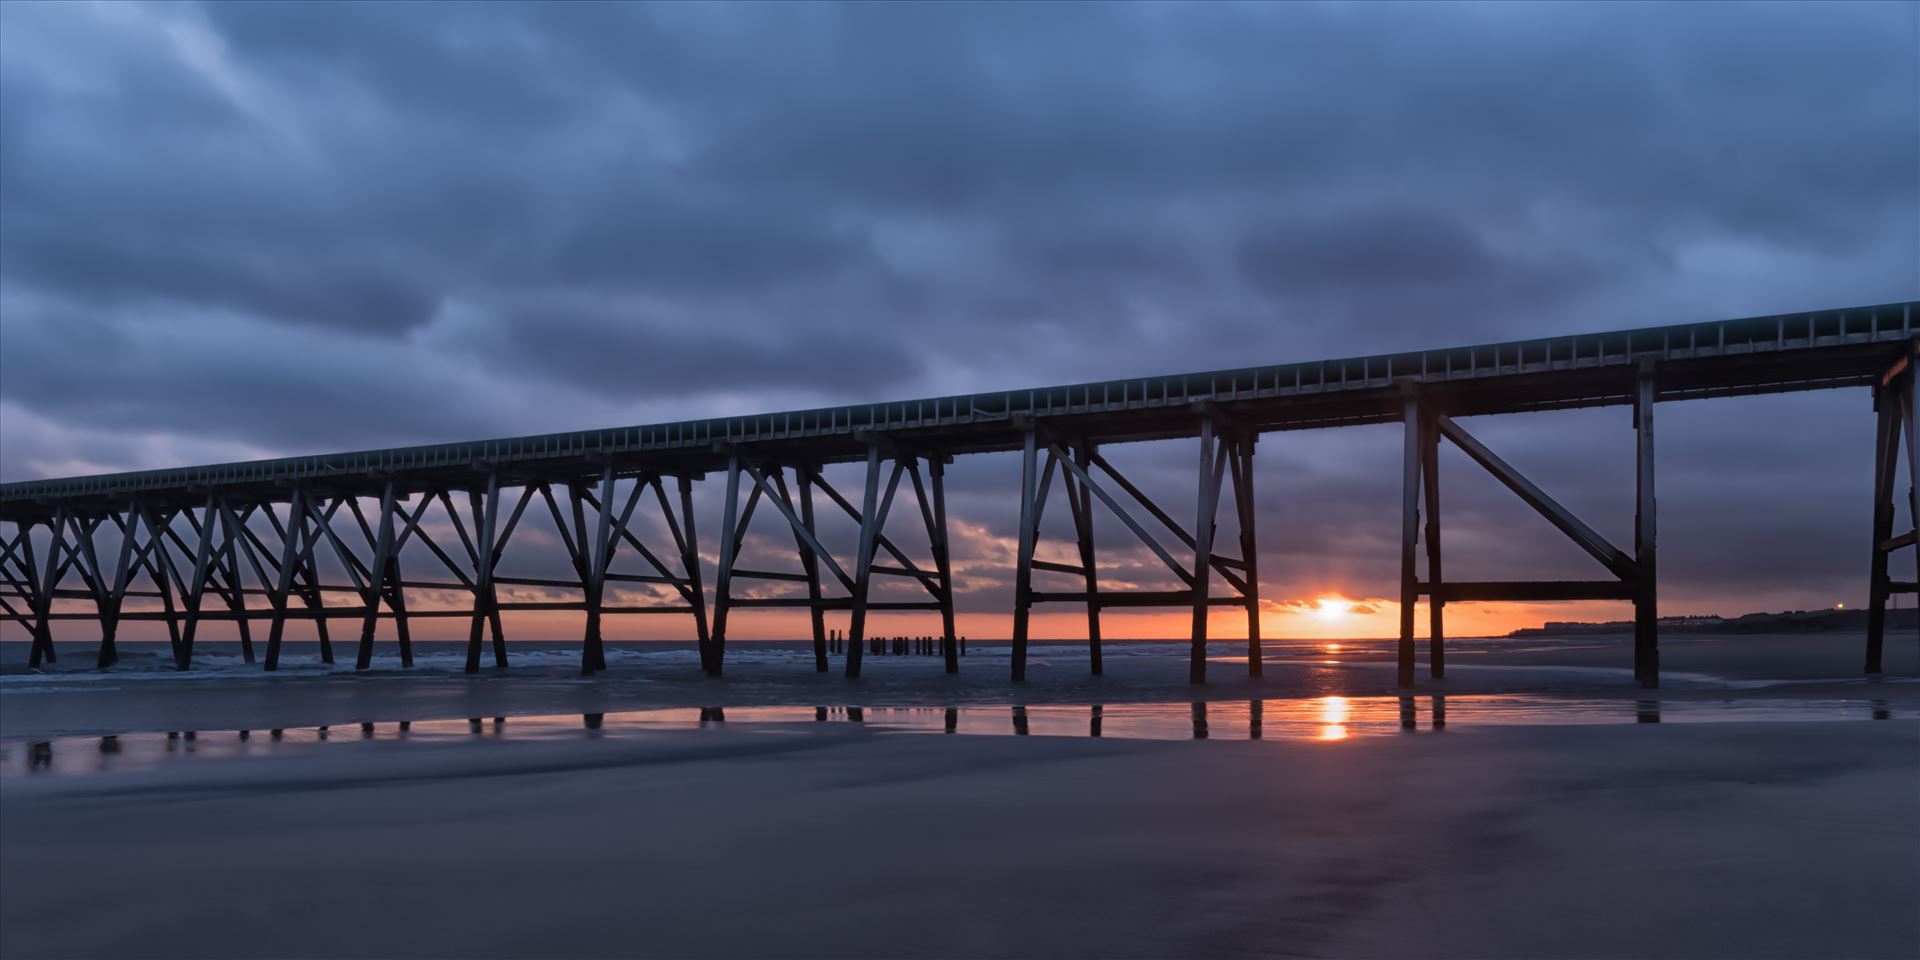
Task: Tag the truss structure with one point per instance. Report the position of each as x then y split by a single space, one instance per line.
322 538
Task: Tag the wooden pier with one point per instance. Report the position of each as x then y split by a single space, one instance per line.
250 542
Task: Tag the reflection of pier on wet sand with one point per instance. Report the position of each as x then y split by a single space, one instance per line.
1322 718
1718 839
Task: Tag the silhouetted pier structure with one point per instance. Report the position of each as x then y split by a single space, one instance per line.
206 542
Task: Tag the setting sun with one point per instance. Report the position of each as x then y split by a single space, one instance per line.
1332 608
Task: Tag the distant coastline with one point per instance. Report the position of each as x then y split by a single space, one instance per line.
1790 621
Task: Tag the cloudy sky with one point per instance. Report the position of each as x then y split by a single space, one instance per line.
246 229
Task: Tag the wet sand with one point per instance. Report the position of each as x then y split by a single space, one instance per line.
1750 840
1710 839
223 693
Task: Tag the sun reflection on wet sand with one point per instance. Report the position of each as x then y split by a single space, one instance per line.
1334 712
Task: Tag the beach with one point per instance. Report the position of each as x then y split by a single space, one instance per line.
1531 807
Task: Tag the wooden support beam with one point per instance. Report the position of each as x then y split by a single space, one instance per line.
723 580
1023 570
397 602
1436 605
801 528
1410 529
486 600
196 590
1087 481
771 574
1138 598
873 519
1080 501
593 655
1615 560
1886 453
689 543
1484 591
106 591
1247 510
309 574
233 524
283 583
122 579
42 648
942 560
803 538
927 580
1140 497
1208 502
164 576
1909 398
382 542
1646 599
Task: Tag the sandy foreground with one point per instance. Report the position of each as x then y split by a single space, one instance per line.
1700 840
1494 837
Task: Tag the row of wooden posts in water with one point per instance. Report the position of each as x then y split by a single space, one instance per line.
893 646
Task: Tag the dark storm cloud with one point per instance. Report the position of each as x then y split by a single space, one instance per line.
299 227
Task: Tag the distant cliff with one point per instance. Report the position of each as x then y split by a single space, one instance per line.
1791 621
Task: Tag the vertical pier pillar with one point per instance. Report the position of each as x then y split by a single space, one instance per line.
1893 403
809 562
43 607
197 589
593 654
1249 545
723 578
377 574
283 581
870 521
232 525
1646 613
690 561
1023 569
1436 605
1203 551
1080 501
487 522
122 579
1409 532
943 562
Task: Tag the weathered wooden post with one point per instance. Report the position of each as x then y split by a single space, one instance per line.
377 572
1242 454
810 563
1646 613
1436 603
43 607
723 578
283 580
196 591
1203 550
1080 501
1409 530
1023 570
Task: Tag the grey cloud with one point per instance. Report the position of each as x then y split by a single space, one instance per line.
348 225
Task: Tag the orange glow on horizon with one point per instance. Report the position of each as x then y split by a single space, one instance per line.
1332 619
